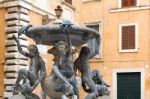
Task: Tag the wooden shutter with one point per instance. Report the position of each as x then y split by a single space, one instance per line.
129 3
128 37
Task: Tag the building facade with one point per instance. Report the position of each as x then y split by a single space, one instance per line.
124 60
124 26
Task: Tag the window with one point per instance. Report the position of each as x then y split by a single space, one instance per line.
69 1
128 3
68 14
128 37
43 4
93 44
129 85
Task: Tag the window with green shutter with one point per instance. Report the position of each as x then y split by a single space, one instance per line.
129 85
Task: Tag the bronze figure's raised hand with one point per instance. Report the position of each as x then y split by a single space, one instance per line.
24 29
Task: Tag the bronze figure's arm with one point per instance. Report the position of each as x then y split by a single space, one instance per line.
43 72
58 74
20 49
24 29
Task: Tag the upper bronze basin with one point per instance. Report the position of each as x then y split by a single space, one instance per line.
50 34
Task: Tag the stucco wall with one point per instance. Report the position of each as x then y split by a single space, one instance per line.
2 46
112 59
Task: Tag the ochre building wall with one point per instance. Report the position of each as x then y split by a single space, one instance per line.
99 11
2 49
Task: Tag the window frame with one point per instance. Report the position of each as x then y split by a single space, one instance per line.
48 5
128 70
70 11
136 38
69 2
100 24
120 4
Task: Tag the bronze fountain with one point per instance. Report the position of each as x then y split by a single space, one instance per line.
62 81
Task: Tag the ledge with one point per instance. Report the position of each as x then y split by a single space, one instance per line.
84 1
27 5
97 60
141 7
129 50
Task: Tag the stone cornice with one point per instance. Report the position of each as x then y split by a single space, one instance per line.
136 8
28 5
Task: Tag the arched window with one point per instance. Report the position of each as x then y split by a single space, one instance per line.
43 4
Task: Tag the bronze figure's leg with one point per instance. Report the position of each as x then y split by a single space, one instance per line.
89 82
22 74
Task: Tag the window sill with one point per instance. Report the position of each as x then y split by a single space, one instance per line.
128 51
93 60
84 1
28 5
141 7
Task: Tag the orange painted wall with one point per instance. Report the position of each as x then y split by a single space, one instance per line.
2 51
112 59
